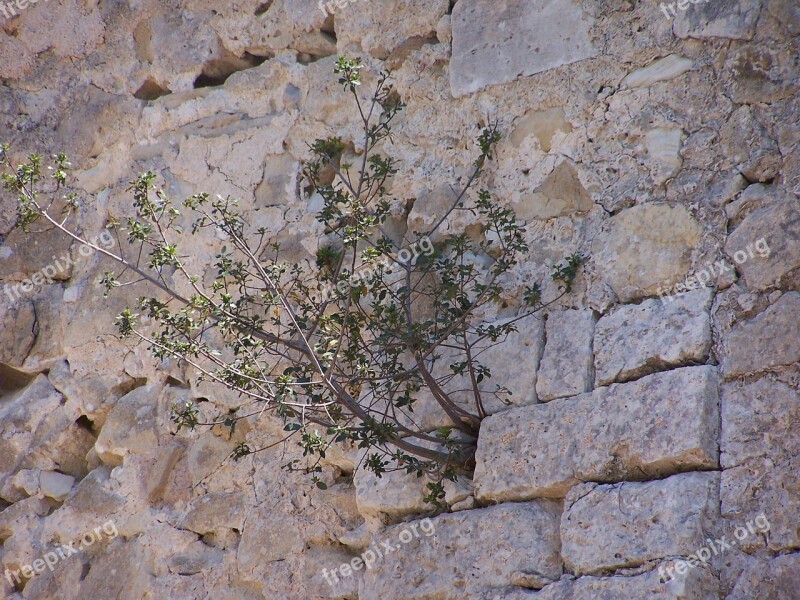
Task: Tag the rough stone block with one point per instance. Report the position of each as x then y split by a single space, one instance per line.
767 263
772 339
655 335
731 19
607 527
760 452
769 579
382 27
496 42
658 425
645 247
566 367
468 553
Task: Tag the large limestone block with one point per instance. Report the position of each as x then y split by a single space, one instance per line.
566 367
18 324
499 41
660 424
382 27
770 340
759 450
644 247
766 245
731 19
639 339
214 511
601 531
26 419
467 554
131 426
769 579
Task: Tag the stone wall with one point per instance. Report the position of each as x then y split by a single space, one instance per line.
653 419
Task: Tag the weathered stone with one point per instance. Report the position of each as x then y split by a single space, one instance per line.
644 247
663 69
748 147
655 335
566 367
496 43
759 452
382 28
25 416
607 527
770 340
18 324
416 568
130 426
765 245
560 194
543 125
55 485
731 19
663 150
660 424
768 579
214 511
695 584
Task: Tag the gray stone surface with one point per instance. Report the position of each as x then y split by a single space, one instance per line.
608 527
657 334
566 367
661 424
731 19
768 341
496 42
759 449
645 247
769 238
769 579
488 547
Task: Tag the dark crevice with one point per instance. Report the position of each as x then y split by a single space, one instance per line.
329 26
263 8
12 380
85 423
217 70
151 90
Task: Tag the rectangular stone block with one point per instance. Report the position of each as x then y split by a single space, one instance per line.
640 339
760 452
497 42
566 367
661 424
766 342
468 554
607 527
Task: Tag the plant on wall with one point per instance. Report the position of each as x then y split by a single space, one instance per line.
344 349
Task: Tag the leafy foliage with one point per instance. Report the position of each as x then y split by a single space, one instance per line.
339 357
